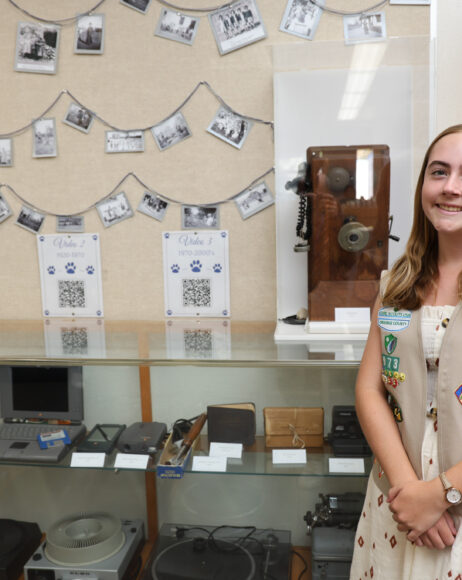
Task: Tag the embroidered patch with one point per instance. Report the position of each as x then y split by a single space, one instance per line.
397 413
394 320
390 363
458 394
390 343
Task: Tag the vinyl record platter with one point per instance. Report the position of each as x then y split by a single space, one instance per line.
224 553
348 213
96 545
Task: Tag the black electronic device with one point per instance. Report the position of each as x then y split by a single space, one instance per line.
346 436
142 437
36 392
226 552
18 541
339 509
101 439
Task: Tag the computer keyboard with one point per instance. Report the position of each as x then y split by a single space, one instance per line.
29 431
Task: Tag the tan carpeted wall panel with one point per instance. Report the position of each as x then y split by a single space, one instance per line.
138 81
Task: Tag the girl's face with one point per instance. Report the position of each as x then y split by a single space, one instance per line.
442 186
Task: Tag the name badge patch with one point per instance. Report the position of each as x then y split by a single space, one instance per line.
394 320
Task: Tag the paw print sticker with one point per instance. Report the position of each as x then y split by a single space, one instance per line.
70 268
175 268
196 266
217 268
51 270
90 270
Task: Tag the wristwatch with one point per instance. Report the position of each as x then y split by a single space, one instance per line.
453 495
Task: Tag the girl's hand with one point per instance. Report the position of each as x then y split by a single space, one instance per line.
417 506
439 536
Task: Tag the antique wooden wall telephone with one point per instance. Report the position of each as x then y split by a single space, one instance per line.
343 221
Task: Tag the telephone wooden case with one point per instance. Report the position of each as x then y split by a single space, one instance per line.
349 206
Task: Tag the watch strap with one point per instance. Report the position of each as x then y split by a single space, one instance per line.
445 481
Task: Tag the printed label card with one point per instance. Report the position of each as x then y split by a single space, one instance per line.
70 275
196 273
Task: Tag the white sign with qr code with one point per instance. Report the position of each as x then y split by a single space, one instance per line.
70 275
196 273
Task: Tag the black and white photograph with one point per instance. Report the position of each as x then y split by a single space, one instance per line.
153 206
301 18
6 152
30 219
78 117
236 25
114 209
200 216
70 223
139 5
89 34
366 27
171 131
124 141
230 127
177 26
37 48
5 210
253 200
44 138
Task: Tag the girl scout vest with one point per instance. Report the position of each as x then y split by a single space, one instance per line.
404 373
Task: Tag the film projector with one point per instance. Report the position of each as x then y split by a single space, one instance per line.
344 225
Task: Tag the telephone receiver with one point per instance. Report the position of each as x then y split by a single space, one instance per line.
353 236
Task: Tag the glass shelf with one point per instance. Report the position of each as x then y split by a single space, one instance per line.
205 342
257 461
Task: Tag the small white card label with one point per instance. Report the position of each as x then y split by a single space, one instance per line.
131 461
346 465
353 315
233 450
204 463
87 459
289 456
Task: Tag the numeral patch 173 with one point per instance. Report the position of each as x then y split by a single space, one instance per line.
390 363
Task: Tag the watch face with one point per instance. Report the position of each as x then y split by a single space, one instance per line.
453 495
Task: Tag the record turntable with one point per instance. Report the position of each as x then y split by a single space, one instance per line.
222 552
96 545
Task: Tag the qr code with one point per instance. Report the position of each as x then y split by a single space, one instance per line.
71 293
198 343
197 292
74 340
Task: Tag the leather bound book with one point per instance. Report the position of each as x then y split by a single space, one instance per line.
232 423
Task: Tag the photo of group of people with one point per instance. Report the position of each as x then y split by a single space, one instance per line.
301 18
230 127
36 48
114 209
197 216
171 131
236 25
78 117
153 206
177 26
368 27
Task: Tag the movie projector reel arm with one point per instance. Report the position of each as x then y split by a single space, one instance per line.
353 236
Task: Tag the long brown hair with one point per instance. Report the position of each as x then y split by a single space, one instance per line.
416 271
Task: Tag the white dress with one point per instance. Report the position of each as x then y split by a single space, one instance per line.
381 551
